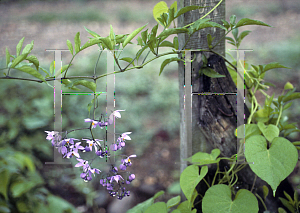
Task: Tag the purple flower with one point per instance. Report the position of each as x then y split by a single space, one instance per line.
94 123
123 167
62 150
93 171
86 177
116 178
131 177
125 136
92 143
103 124
126 162
114 147
54 137
103 182
51 135
84 163
68 141
116 113
74 151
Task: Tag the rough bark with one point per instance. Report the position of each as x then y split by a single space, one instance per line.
214 118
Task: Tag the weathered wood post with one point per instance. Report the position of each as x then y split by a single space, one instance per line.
208 106
193 139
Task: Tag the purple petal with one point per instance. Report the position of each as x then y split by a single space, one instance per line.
122 167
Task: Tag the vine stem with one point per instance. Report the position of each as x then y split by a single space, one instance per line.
279 116
253 183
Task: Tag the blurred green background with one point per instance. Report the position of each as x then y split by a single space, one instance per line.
151 101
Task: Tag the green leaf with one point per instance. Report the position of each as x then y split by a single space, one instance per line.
56 204
270 132
250 130
70 46
144 35
170 16
27 49
52 67
291 201
281 210
7 57
287 204
232 20
209 39
159 207
235 33
211 73
185 207
152 35
107 43
163 19
33 59
167 61
202 158
22 186
140 41
242 36
175 43
229 39
45 71
91 85
95 35
90 42
293 96
288 86
132 35
273 65
172 31
63 69
187 9
217 199
112 36
247 21
26 161
17 60
173 201
166 44
296 198
141 207
77 42
265 191
190 178
31 71
225 23
127 59
4 177
174 5
274 164
203 23
159 9
158 194
19 46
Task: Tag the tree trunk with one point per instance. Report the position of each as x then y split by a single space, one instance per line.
214 115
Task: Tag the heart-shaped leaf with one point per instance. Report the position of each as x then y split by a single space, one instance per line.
217 199
274 164
249 130
189 179
201 158
270 132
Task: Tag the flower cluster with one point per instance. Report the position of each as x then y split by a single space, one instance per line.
70 147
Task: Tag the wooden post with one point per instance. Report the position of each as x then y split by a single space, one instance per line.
198 40
214 108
